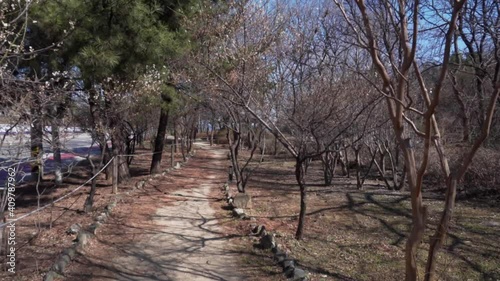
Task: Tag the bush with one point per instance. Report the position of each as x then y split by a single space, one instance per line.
481 179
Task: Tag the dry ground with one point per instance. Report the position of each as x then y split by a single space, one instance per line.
360 235
350 234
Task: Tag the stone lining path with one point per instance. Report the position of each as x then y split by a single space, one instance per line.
168 232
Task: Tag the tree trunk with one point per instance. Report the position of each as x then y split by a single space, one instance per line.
107 157
176 139
383 176
99 130
343 163
234 144
382 162
183 148
401 183
299 176
275 146
115 174
172 155
419 213
119 148
334 161
479 91
328 167
437 240
89 202
374 155
464 118
212 136
36 133
56 148
191 139
159 142
394 168
348 173
358 167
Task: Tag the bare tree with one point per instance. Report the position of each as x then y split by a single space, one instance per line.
292 76
390 32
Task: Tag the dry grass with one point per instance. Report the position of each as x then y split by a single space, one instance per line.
361 235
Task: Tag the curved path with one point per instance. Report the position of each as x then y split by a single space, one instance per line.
167 232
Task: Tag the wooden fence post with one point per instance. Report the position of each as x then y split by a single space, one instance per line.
115 175
171 155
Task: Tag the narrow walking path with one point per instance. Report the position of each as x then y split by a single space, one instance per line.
167 232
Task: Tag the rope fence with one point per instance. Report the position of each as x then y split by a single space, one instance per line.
77 188
59 199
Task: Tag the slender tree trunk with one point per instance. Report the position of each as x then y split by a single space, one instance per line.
234 143
374 155
343 163
348 173
159 142
437 240
328 167
334 161
176 139
382 162
403 178
419 213
36 133
275 146
108 154
480 93
116 174
119 149
394 169
299 176
191 139
99 130
463 110
212 136
89 202
358 168
56 148
183 148
382 174
172 152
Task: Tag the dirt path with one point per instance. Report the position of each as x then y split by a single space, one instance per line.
168 232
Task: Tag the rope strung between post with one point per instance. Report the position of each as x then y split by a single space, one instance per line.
76 189
147 153
31 160
59 199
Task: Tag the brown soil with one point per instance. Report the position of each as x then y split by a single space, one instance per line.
353 234
40 238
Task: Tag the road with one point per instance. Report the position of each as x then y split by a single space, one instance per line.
15 152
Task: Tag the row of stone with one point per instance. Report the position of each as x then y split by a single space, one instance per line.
238 204
82 240
287 263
